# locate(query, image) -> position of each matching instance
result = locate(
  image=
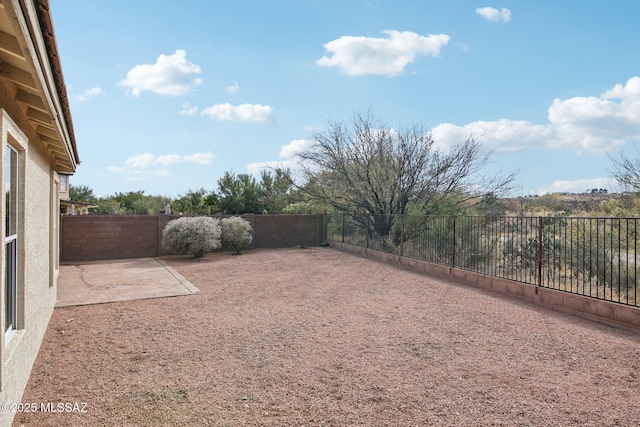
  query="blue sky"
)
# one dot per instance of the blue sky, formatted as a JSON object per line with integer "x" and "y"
{"x": 166, "y": 96}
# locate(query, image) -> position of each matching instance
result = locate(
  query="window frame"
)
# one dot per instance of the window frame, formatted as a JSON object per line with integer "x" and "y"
{"x": 11, "y": 184}
{"x": 14, "y": 138}
{"x": 64, "y": 183}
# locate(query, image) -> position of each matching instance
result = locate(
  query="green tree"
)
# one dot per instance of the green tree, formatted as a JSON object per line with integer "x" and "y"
{"x": 625, "y": 205}
{"x": 239, "y": 194}
{"x": 303, "y": 208}
{"x": 277, "y": 190}
{"x": 150, "y": 205}
{"x": 108, "y": 205}
{"x": 198, "y": 201}
{"x": 132, "y": 202}
{"x": 127, "y": 200}
{"x": 82, "y": 193}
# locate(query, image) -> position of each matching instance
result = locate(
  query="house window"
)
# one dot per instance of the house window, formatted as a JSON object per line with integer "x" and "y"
{"x": 11, "y": 239}
{"x": 64, "y": 183}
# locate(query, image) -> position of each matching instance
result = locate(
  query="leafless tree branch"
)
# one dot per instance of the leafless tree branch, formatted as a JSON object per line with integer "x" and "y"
{"x": 369, "y": 169}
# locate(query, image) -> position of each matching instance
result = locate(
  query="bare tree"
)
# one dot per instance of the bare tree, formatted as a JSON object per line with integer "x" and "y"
{"x": 373, "y": 171}
{"x": 626, "y": 170}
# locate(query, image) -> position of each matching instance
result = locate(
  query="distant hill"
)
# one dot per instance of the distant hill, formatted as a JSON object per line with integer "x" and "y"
{"x": 561, "y": 203}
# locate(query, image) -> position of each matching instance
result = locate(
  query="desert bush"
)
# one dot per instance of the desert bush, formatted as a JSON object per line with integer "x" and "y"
{"x": 236, "y": 232}
{"x": 602, "y": 251}
{"x": 192, "y": 236}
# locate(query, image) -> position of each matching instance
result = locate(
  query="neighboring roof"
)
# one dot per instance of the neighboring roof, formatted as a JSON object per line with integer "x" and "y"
{"x": 30, "y": 64}
{"x": 73, "y": 202}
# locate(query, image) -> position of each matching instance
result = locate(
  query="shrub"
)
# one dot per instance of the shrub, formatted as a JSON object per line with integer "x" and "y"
{"x": 236, "y": 232}
{"x": 192, "y": 236}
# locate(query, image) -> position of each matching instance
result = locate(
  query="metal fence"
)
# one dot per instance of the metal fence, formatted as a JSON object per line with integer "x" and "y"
{"x": 594, "y": 257}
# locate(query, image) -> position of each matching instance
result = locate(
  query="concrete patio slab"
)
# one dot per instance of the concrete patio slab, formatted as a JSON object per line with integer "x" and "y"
{"x": 100, "y": 282}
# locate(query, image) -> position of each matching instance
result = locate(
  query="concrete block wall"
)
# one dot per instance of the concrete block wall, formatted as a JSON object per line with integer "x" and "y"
{"x": 285, "y": 231}
{"x": 95, "y": 237}
{"x": 101, "y": 237}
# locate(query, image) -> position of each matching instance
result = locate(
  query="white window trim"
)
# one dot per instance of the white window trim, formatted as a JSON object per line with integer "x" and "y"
{"x": 54, "y": 230}
{"x": 14, "y": 201}
{"x": 11, "y": 135}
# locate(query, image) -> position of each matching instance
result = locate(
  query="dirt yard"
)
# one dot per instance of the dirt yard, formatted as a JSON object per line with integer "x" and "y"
{"x": 316, "y": 337}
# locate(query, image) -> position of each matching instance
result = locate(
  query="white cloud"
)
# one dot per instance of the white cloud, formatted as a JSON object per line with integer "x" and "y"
{"x": 171, "y": 75}
{"x": 144, "y": 164}
{"x": 389, "y": 56}
{"x": 233, "y": 88}
{"x": 599, "y": 124}
{"x": 290, "y": 150}
{"x": 199, "y": 158}
{"x": 188, "y": 110}
{"x": 140, "y": 161}
{"x": 501, "y": 135}
{"x": 631, "y": 90}
{"x": 287, "y": 155}
{"x": 169, "y": 159}
{"x": 596, "y": 124}
{"x": 253, "y": 113}
{"x": 494, "y": 15}
{"x": 256, "y": 168}
{"x": 143, "y": 161}
{"x": 89, "y": 93}
{"x": 579, "y": 185}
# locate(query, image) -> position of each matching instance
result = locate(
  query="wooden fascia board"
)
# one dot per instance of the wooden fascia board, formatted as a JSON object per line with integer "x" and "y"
{"x": 37, "y": 54}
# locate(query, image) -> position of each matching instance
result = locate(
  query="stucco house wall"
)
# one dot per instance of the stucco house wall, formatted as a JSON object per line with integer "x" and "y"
{"x": 37, "y": 289}
{"x": 35, "y": 123}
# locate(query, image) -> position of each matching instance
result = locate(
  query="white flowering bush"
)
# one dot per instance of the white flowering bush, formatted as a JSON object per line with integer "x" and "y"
{"x": 192, "y": 236}
{"x": 236, "y": 233}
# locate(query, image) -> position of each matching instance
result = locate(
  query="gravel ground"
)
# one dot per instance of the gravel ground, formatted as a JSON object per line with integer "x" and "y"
{"x": 316, "y": 337}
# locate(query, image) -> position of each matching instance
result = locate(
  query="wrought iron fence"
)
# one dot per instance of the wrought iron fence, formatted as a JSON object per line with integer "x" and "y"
{"x": 594, "y": 257}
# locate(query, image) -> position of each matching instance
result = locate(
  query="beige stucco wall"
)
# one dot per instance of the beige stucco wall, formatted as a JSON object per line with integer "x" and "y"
{"x": 37, "y": 287}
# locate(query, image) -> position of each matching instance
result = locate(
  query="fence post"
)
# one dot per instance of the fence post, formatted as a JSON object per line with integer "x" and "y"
{"x": 540, "y": 251}
{"x": 158, "y": 236}
{"x": 453, "y": 244}
{"x": 402, "y": 221}
{"x": 325, "y": 227}
{"x": 367, "y": 232}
